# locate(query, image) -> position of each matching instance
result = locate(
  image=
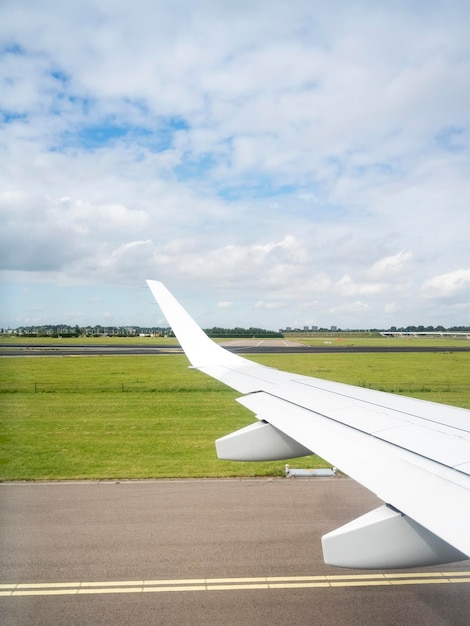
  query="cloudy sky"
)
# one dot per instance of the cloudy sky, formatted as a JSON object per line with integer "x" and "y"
{"x": 274, "y": 163}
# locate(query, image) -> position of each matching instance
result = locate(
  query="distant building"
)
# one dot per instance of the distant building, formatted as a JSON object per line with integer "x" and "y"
{"x": 334, "y": 328}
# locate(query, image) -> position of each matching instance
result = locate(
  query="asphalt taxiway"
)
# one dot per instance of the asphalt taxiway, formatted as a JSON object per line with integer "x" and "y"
{"x": 206, "y": 552}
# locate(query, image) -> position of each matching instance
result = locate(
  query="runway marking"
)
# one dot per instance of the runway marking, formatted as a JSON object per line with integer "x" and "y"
{"x": 231, "y": 584}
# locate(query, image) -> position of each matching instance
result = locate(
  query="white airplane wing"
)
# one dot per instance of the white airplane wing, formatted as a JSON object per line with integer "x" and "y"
{"x": 414, "y": 455}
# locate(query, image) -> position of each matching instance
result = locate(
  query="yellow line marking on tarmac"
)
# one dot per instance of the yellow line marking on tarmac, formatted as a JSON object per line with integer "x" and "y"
{"x": 231, "y": 584}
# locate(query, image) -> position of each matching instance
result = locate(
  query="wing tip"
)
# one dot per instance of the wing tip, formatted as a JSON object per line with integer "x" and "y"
{"x": 151, "y": 281}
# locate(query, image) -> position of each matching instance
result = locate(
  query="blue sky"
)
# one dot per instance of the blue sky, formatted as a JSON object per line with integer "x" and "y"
{"x": 275, "y": 164}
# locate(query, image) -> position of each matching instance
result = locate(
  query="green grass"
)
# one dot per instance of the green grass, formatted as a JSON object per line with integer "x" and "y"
{"x": 437, "y": 376}
{"x": 149, "y": 416}
{"x": 381, "y": 342}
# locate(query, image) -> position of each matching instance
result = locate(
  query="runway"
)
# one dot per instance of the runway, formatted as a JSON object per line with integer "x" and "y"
{"x": 216, "y": 552}
{"x": 244, "y": 346}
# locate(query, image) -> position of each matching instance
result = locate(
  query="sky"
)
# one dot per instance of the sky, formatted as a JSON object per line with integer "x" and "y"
{"x": 273, "y": 163}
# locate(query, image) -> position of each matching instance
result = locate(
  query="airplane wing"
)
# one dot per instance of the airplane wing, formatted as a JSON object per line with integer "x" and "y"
{"x": 414, "y": 455}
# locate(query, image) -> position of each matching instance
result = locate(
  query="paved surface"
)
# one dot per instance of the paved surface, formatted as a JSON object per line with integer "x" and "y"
{"x": 242, "y": 346}
{"x": 214, "y": 552}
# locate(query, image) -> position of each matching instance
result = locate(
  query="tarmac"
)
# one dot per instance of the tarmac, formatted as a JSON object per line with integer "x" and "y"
{"x": 208, "y": 552}
{"x": 239, "y": 346}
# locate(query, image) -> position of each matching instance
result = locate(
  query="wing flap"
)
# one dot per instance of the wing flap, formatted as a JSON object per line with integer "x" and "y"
{"x": 386, "y": 538}
{"x": 259, "y": 442}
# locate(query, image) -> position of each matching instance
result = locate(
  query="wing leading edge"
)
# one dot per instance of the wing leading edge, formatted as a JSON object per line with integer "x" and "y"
{"x": 414, "y": 455}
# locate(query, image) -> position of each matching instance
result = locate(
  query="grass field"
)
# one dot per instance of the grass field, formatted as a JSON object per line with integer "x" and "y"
{"x": 149, "y": 416}
{"x": 381, "y": 342}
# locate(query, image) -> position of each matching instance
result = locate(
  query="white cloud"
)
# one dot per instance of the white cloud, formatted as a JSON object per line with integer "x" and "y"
{"x": 268, "y": 305}
{"x": 351, "y": 307}
{"x": 346, "y": 286}
{"x": 456, "y": 283}
{"x": 390, "y": 267}
{"x": 298, "y": 153}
